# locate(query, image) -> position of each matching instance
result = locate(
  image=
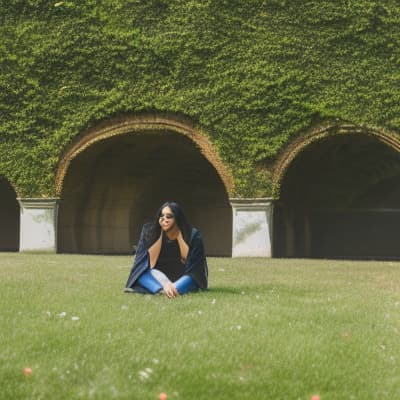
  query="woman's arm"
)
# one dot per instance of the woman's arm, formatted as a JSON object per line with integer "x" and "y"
{"x": 168, "y": 287}
{"x": 154, "y": 251}
{"x": 183, "y": 247}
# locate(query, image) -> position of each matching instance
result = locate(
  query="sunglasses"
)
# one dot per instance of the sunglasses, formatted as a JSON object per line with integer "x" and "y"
{"x": 167, "y": 216}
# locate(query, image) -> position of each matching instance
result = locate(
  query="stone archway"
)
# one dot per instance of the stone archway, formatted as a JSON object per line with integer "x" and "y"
{"x": 9, "y": 217}
{"x": 339, "y": 195}
{"x": 115, "y": 176}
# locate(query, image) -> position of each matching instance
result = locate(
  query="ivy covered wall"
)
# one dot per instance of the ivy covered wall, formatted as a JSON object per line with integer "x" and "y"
{"x": 250, "y": 74}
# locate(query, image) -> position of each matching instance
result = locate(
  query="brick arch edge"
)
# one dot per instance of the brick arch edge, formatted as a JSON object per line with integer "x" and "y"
{"x": 144, "y": 123}
{"x": 301, "y": 142}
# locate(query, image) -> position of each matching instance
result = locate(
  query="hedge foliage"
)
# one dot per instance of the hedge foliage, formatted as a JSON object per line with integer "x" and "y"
{"x": 250, "y": 73}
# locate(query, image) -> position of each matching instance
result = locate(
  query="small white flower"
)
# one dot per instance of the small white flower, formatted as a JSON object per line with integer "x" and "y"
{"x": 62, "y": 314}
{"x": 155, "y": 361}
{"x": 213, "y": 301}
{"x": 143, "y": 375}
{"x": 237, "y": 327}
{"x": 199, "y": 312}
{"x": 75, "y": 318}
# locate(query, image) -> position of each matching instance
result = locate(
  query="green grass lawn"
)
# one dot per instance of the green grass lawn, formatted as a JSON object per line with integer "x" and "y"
{"x": 266, "y": 329}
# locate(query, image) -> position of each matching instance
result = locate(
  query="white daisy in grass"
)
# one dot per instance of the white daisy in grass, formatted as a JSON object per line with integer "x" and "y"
{"x": 145, "y": 373}
{"x": 237, "y": 327}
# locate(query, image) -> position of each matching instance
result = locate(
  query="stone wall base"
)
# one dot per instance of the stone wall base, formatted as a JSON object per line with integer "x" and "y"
{"x": 38, "y": 224}
{"x": 252, "y": 227}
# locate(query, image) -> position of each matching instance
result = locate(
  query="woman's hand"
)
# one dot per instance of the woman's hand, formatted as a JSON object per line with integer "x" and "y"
{"x": 170, "y": 290}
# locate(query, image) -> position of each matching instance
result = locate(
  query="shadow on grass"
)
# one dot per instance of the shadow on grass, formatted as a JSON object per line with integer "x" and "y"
{"x": 245, "y": 289}
{"x": 226, "y": 289}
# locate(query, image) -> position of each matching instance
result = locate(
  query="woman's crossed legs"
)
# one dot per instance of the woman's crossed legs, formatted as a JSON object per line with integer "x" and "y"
{"x": 154, "y": 281}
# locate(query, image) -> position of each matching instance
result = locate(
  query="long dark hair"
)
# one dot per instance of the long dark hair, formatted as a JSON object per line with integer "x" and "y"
{"x": 180, "y": 218}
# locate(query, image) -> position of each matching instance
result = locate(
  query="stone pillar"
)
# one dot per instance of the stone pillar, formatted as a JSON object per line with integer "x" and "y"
{"x": 252, "y": 227}
{"x": 38, "y": 224}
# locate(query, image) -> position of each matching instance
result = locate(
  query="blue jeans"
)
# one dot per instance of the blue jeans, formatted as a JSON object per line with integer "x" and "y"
{"x": 151, "y": 278}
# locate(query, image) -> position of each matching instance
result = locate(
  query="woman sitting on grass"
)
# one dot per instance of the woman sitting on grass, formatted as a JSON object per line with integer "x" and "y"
{"x": 170, "y": 256}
